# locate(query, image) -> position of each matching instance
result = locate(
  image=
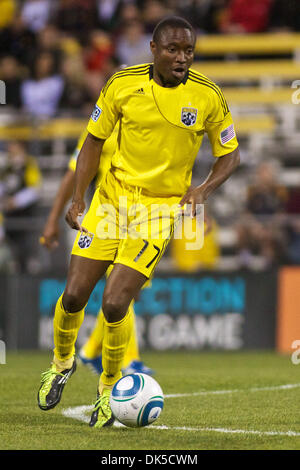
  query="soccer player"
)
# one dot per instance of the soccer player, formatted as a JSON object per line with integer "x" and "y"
{"x": 164, "y": 108}
{"x": 90, "y": 353}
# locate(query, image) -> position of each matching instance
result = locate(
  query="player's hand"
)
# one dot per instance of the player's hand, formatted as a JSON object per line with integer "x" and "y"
{"x": 193, "y": 196}
{"x": 76, "y": 210}
{"x": 50, "y": 235}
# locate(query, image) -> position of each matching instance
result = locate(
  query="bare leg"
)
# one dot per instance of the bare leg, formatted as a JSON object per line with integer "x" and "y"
{"x": 83, "y": 275}
{"x": 122, "y": 286}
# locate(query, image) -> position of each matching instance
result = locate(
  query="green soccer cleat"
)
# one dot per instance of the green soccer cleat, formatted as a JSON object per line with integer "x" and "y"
{"x": 102, "y": 415}
{"x": 52, "y": 385}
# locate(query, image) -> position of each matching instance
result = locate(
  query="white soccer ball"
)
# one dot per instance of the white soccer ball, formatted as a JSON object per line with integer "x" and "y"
{"x": 136, "y": 400}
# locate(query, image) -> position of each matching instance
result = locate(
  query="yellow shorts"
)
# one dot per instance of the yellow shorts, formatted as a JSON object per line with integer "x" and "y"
{"x": 127, "y": 225}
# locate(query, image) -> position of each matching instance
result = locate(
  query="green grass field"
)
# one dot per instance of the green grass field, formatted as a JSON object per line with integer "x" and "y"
{"x": 219, "y": 401}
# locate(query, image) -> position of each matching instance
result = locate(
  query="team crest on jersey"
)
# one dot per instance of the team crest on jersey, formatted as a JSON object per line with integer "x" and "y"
{"x": 96, "y": 113}
{"x": 85, "y": 240}
{"x": 188, "y": 116}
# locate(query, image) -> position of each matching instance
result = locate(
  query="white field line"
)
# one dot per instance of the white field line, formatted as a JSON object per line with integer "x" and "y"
{"x": 80, "y": 413}
{"x": 228, "y": 431}
{"x": 223, "y": 392}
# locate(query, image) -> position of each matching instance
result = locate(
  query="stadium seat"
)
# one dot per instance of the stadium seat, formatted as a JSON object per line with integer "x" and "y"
{"x": 237, "y": 72}
{"x": 257, "y": 96}
{"x": 256, "y": 44}
{"x": 258, "y": 123}
{"x": 53, "y": 129}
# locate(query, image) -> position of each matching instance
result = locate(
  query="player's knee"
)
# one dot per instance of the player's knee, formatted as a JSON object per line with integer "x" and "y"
{"x": 72, "y": 301}
{"x": 114, "y": 307}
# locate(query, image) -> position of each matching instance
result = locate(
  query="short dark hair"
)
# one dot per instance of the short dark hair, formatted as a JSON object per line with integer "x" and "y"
{"x": 173, "y": 22}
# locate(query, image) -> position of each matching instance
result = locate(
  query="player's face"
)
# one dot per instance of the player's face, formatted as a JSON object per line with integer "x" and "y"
{"x": 173, "y": 54}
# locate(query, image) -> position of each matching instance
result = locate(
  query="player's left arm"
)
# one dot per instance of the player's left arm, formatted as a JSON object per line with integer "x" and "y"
{"x": 220, "y": 172}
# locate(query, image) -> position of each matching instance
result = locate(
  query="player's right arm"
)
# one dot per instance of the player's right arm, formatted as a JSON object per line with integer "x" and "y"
{"x": 86, "y": 168}
{"x": 101, "y": 125}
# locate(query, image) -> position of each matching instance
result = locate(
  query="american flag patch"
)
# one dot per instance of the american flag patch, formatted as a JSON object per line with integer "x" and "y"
{"x": 227, "y": 134}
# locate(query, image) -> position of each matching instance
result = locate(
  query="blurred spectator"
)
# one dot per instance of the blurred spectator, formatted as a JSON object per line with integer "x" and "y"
{"x": 108, "y": 13}
{"x": 82, "y": 87}
{"x": 202, "y": 14}
{"x": 7, "y": 263}
{"x": 8, "y": 9}
{"x": 1, "y": 229}
{"x": 49, "y": 40}
{"x": 76, "y": 94}
{"x": 20, "y": 181}
{"x": 293, "y": 201}
{"x": 41, "y": 94}
{"x": 17, "y": 40}
{"x": 111, "y": 66}
{"x": 285, "y": 15}
{"x": 153, "y": 11}
{"x": 292, "y": 234}
{"x": 260, "y": 230}
{"x": 292, "y": 226}
{"x": 36, "y": 13}
{"x": 76, "y": 17}
{"x": 133, "y": 46}
{"x": 98, "y": 51}
{"x": 242, "y": 16}
{"x": 95, "y": 80}
{"x": 128, "y": 11}
{"x": 10, "y": 73}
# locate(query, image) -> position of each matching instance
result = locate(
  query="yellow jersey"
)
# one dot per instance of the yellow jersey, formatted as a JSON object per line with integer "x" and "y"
{"x": 108, "y": 150}
{"x": 161, "y": 129}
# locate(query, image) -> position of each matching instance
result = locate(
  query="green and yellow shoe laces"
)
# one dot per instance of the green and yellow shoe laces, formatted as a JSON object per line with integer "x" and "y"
{"x": 103, "y": 408}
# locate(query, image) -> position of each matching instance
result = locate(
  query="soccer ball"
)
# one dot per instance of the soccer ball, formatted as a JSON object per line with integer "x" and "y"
{"x": 136, "y": 400}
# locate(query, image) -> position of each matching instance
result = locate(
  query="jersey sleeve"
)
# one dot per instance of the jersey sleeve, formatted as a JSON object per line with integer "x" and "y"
{"x": 219, "y": 125}
{"x": 106, "y": 112}
{"x": 73, "y": 161}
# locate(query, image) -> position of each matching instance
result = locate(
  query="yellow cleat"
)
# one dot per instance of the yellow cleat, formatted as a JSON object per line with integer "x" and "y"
{"x": 102, "y": 415}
